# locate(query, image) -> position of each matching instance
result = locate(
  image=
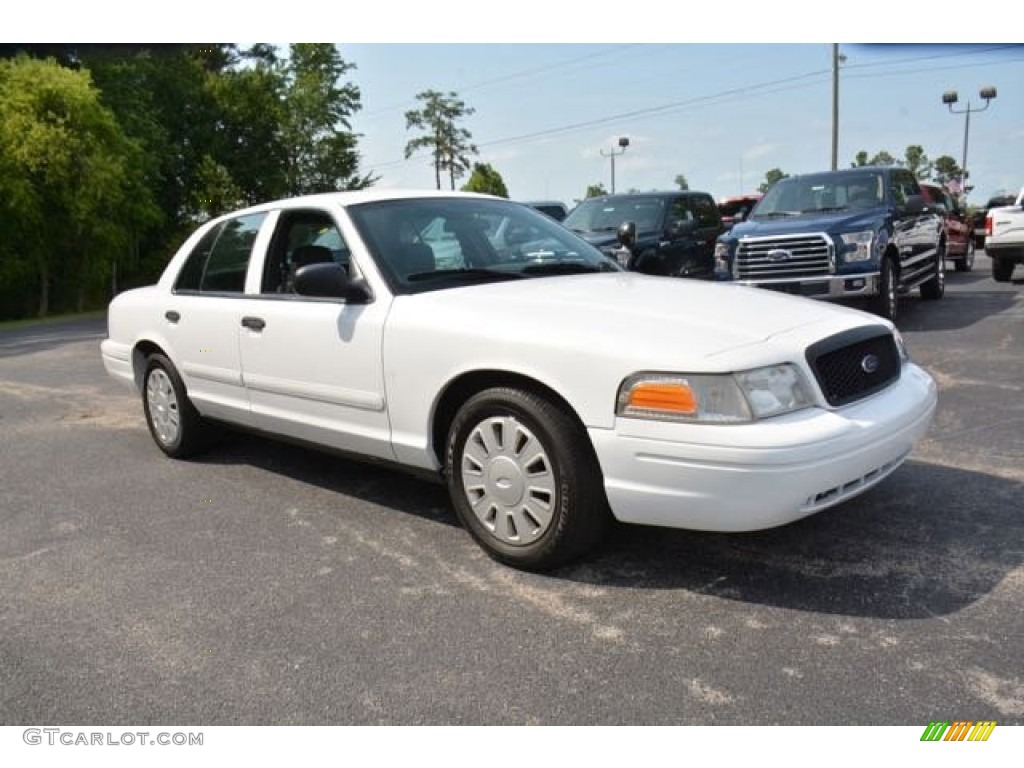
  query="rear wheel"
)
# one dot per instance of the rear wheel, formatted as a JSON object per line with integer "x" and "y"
{"x": 1002, "y": 270}
{"x": 175, "y": 424}
{"x": 524, "y": 479}
{"x": 886, "y": 302}
{"x": 936, "y": 287}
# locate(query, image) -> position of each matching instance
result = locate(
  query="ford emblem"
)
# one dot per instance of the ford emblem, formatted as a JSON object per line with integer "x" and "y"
{"x": 870, "y": 363}
{"x": 779, "y": 254}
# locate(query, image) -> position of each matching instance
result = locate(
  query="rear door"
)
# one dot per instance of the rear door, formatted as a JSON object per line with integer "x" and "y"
{"x": 203, "y": 316}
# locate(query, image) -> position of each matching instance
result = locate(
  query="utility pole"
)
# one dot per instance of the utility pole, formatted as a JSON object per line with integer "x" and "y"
{"x": 623, "y": 143}
{"x": 949, "y": 98}
{"x": 835, "y": 106}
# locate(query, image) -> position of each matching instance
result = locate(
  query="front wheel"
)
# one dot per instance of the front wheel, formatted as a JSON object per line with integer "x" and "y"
{"x": 886, "y": 302}
{"x": 936, "y": 287}
{"x": 524, "y": 479}
{"x": 176, "y": 426}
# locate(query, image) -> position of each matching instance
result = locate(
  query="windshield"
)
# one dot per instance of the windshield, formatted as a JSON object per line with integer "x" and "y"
{"x": 605, "y": 214}
{"x": 430, "y": 243}
{"x": 821, "y": 193}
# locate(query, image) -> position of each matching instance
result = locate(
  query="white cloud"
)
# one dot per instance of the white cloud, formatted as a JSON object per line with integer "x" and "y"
{"x": 760, "y": 150}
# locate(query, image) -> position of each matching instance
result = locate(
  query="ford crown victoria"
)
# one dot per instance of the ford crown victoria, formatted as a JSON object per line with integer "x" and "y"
{"x": 476, "y": 340}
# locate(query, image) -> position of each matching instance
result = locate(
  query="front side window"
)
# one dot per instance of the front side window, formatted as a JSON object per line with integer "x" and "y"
{"x": 707, "y": 212}
{"x": 301, "y": 238}
{"x": 432, "y": 243}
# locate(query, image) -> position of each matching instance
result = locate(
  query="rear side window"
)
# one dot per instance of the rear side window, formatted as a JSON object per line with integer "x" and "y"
{"x": 229, "y": 259}
{"x": 192, "y": 273}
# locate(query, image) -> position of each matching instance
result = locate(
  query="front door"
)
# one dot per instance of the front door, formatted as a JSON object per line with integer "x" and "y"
{"x": 312, "y": 366}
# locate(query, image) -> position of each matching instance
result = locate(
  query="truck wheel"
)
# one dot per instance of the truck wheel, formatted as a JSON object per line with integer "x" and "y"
{"x": 966, "y": 262}
{"x": 1002, "y": 270}
{"x": 936, "y": 287}
{"x": 886, "y": 302}
{"x": 524, "y": 479}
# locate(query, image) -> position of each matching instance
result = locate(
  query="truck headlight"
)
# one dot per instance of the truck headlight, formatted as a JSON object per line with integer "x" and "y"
{"x": 857, "y": 245}
{"x": 721, "y": 257}
{"x": 730, "y": 398}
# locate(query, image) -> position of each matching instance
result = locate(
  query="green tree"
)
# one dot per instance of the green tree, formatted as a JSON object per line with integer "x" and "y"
{"x": 917, "y": 162}
{"x": 595, "y": 190}
{"x": 449, "y": 144}
{"x": 681, "y": 182}
{"x": 859, "y": 160}
{"x": 65, "y": 179}
{"x": 487, "y": 180}
{"x": 772, "y": 176}
{"x": 319, "y": 144}
{"x": 883, "y": 158}
{"x": 946, "y": 169}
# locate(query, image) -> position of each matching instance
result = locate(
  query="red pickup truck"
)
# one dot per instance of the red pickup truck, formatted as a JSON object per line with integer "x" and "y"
{"x": 958, "y": 226}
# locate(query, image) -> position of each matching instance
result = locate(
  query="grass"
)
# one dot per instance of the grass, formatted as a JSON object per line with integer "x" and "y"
{"x": 9, "y": 325}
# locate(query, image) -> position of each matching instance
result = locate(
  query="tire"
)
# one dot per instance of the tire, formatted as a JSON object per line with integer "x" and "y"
{"x": 524, "y": 479}
{"x": 886, "y": 303}
{"x": 175, "y": 425}
{"x": 966, "y": 262}
{"x": 935, "y": 288}
{"x": 1002, "y": 270}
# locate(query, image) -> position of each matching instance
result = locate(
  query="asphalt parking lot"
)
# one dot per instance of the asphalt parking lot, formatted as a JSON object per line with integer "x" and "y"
{"x": 266, "y": 584}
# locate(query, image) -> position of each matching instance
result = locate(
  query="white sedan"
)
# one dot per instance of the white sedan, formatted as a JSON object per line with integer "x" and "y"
{"x": 550, "y": 390}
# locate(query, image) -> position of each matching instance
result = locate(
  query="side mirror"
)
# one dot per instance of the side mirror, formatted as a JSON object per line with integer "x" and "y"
{"x": 330, "y": 280}
{"x": 916, "y": 204}
{"x": 684, "y": 227}
{"x": 627, "y": 234}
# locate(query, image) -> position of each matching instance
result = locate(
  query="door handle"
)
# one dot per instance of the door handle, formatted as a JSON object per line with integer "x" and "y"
{"x": 172, "y": 316}
{"x": 254, "y": 323}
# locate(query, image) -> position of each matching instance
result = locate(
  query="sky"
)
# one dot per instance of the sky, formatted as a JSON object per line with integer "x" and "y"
{"x": 547, "y": 116}
{"x": 720, "y": 94}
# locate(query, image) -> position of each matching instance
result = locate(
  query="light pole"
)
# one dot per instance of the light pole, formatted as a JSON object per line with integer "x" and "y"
{"x": 949, "y": 98}
{"x": 623, "y": 143}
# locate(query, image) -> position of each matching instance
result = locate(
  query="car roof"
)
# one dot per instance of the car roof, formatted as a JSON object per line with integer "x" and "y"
{"x": 543, "y": 202}
{"x": 656, "y": 193}
{"x": 356, "y": 197}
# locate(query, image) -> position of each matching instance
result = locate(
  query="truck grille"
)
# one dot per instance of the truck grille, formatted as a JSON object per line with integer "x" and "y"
{"x": 784, "y": 258}
{"x": 854, "y": 364}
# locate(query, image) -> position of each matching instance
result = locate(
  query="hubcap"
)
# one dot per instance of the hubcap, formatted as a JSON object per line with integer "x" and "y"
{"x": 162, "y": 404}
{"x": 508, "y": 480}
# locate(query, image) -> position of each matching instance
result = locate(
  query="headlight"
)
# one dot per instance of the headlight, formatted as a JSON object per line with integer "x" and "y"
{"x": 731, "y": 398}
{"x": 857, "y": 245}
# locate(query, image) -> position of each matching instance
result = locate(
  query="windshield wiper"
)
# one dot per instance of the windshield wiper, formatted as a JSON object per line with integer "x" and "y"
{"x": 566, "y": 268}
{"x": 775, "y": 214}
{"x": 475, "y": 273}
{"x": 825, "y": 209}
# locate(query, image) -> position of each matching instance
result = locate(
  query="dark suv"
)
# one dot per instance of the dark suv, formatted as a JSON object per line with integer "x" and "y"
{"x": 672, "y": 233}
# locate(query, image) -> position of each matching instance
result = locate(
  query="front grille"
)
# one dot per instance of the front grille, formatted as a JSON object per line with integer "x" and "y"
{"x": 780, "y": 258}
{"x": 854, "y": 364}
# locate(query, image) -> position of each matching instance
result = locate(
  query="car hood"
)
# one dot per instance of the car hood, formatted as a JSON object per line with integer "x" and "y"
{"x": 639, "y": 319}
{"x": 838, "y": 221}
{"x": 605, "y": 239}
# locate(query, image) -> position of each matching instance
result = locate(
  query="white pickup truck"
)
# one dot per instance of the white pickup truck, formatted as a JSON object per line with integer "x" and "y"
{"x": 1004, "y": 238}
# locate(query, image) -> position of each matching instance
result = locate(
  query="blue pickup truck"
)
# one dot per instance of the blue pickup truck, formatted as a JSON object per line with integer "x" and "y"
{"x": 859, "y": 232}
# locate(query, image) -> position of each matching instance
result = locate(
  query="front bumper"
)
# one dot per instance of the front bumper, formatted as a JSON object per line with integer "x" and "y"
{"x": 755, "y": 476}
{"x": 831, "y": 287}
